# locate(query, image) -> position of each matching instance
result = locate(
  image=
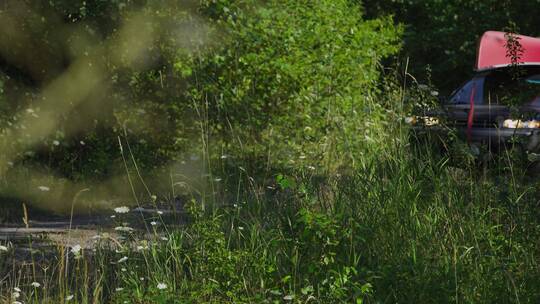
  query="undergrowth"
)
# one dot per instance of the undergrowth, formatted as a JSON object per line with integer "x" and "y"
{"x": 404, "y": 228}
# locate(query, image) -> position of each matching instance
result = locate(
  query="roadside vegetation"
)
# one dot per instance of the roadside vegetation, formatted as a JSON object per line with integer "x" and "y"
{"x": 276, "y": 135}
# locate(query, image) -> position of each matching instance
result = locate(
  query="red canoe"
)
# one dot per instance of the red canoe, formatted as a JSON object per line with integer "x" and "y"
{"x": 492, "y": 51}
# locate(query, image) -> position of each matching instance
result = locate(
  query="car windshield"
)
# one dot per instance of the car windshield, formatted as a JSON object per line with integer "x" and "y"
{"x": 519, "y": 88}
{"x": 501, "y": 87}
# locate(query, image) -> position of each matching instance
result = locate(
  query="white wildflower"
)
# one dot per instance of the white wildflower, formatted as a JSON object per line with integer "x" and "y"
{"x": 123, "y": 229}
{"x": 122, "y": 209}
{"x": 15, "y": 295}
{"x": 82, "y": 143}
{"x": 119, "y": 289}
{"x": 76, "y": 250}
{"x": 113, "y": 216}
{"x": 3, "y": 248}
{"x": 164, "y": 238}
{"x": 153, "y": 198}
{"x": 123, "y": 270}
{"x": 35, "y": 284}
{"x": 240, "y": 228}
{"x": 288, "y": 298}
{"x": 44, "y": 188}
{"x": 161, "y": 286}
{"x": 123, "y": 259}
{"x": 69, "y": 298}
{"x": 159, "y": 212}
{"x": 56, "y": 142}
{"x": 140, "y": 248}
{"x": 17, "y": 289}
{"x": 153, "y": 223}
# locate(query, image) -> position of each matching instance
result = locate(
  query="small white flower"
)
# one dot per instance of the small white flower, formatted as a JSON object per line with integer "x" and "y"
{"x": 140, "y": 248}
{"x": 434, "y": 93}
{"x": 153, "y": 197}
{"x": 153, "y": 223}
{"x": 3, "y": 248}
{"x": 161, "y": 286}
{"x": 119, "y": 289}
{"x": 159, "y": 212}
{"x": 35, "y": 284}
{"x": 164, "y": 238}
{"x": 69, "y": 298}
{"x": 240, "y": 228}
{"x": 17, "y": 289}
{"x": 122, "y": 209}
{"x": 113, "y": 216}
{"x": 76, "y": 250}
{"x": 311, "y": 168}
{"x": 82, "y": 143}
{"x": 141, "y": 278}
{"x": 15, "y": 295}
{"x": 124, "y": 229}
{"x": 44, "y": 188}
{"x": 56, "y": 142}
{"x": 30, "y": 110}
{"x": 288, "y": 298}
{"x": 123, "y": 270}
{"x": 217, "y": 179}
{"x": 123, "y": 259}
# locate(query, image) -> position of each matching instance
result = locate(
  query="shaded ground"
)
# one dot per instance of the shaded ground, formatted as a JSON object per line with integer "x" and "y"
{"x": 47, "y": 233}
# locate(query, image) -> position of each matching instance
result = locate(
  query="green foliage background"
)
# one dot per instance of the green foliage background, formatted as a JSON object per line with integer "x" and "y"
{"x": 281, "y": 121}
{"x": 443, "y": 34}
{"x": 267, "y": 82}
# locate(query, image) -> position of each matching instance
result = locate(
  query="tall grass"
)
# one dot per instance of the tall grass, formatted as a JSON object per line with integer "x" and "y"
{"x": 405, "y": 228}
{"x": 406, "y": 225}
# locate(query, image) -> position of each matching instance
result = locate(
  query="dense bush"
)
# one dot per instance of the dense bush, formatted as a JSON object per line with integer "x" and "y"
{"x": 284, "y": 83}
{"x": 295, "y": 78}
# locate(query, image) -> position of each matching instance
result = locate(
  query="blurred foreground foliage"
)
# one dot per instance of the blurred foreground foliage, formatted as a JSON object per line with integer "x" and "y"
{"x": 266, "y": 82}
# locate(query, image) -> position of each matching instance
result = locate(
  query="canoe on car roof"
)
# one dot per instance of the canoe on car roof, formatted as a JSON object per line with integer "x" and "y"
{"x": 492, "y": 51}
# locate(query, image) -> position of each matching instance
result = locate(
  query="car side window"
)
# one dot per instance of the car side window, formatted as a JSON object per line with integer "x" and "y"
{"x": 463, "y": 95}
